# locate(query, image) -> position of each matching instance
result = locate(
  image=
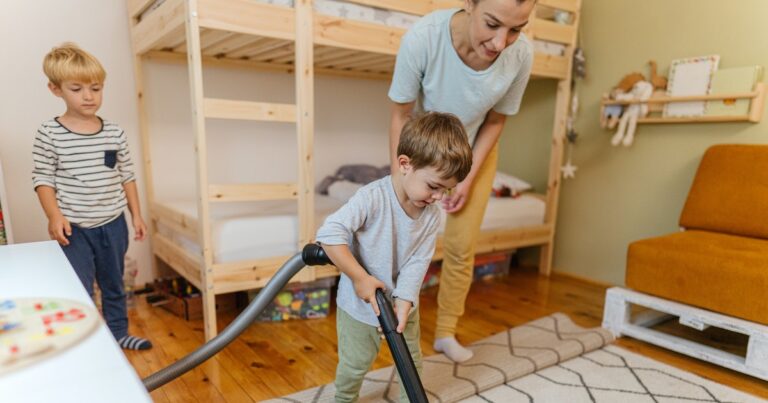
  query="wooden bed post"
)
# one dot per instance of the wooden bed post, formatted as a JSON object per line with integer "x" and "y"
{"x": 195, "y": 66}
{"x": 562, "y": 104}
{"x": 149, "y": 184}
{"x": 305, "y": 124}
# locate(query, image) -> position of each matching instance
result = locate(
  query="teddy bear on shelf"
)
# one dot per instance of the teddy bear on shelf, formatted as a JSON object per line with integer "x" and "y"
{"x": 641, "y": 90}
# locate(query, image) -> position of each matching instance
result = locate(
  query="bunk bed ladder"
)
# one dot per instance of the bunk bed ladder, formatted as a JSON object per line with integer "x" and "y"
{"x": 562, "y": 105}
{"x": 301, "y": 114}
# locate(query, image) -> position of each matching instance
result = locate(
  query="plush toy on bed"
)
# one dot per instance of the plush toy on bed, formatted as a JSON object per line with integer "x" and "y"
{"x": 506, "y": 185}
{"x": 349, "y": 178}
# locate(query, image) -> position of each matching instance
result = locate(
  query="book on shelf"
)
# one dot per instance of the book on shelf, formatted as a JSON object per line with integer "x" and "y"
{"x": 734, "y": 80}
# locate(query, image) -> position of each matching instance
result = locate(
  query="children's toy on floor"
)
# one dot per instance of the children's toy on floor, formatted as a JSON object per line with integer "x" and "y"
{"x": 33, "y": 329}
{"x": 299, "y": 301}
{"x": 180, "y": 297}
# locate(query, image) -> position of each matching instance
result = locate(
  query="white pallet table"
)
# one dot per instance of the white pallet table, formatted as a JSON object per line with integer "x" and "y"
{"x": 617, "y": 319}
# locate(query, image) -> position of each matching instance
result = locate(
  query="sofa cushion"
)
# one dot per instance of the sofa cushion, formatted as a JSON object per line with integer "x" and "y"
{"x": 719, "y": 272}
{"x": 730, "y": 192}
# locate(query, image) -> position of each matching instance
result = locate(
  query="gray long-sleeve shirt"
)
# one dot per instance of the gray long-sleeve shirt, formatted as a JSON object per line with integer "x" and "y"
{"x": 393, "y": 247}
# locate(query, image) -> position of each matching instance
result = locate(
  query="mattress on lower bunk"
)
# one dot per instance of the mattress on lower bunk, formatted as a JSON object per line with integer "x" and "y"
{"x": 244, "y": 231}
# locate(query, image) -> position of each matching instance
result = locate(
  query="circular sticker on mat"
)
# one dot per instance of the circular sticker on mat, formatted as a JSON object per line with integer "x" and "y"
{"x": 33, "y": 329}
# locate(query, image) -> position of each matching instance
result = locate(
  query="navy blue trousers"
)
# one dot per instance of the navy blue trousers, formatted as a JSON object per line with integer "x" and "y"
{"x": 99, "y": 253}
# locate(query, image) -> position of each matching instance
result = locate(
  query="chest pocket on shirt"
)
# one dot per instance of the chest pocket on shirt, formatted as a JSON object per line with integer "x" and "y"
{"x": 110, "y": 158}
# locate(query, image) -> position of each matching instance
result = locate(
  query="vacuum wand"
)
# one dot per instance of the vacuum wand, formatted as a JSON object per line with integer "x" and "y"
{"x": 409, "y": 376}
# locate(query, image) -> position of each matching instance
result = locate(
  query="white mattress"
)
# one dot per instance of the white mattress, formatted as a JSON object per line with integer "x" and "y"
{"x": 242, "y": 231}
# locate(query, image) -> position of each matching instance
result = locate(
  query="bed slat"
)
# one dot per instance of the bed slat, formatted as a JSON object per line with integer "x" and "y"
{"x": 223, "y": 48}
{"x": 550, "y": 66}
{"x": 247, "y": 110}
{"x": 505, "y": 240}
{"x": 165, "y": 22}
{"x": 348, "y": 34}
{"x": 567, "y": 5}
{"x": 136, "y": 7}
{"x": 178, "y": 258}
{"x": 405, "y": 6}
{"x": 552, "y": 31}
{"x": 253, "y": 192}
{"x": 440, "y": 4}
{"x": 178, "y": 221}
{"x": 247, "y": 17}
{"x": 244, "y": 275}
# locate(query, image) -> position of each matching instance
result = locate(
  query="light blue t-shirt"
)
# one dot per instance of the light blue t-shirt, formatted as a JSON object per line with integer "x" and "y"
{"x": 392, "y": 246}
{"x": 429, "y": 71}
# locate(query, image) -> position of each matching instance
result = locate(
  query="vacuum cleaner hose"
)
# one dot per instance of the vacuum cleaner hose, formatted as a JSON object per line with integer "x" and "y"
{"x": 207, "y": 350}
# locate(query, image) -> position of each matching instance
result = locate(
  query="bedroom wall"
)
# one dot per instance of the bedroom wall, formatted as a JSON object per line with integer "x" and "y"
{"x": 352, "y": 114}
{"x": 624, "y": 194}
{"x": 28, "y": 30}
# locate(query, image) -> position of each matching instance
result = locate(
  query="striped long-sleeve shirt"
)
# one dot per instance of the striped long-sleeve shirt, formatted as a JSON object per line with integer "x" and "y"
{"x": 86, "y": 170}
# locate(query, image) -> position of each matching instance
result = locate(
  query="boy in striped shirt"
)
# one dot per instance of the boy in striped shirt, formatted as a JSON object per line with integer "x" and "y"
{"x": 83, "y": 176}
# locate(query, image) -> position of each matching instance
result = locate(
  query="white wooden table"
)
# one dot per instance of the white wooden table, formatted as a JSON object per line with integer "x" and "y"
{"x": 94, "y": 370}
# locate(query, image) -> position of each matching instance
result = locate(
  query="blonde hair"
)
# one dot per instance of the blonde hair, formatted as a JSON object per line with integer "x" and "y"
{"x": 438, "y": 140}
{"x": 68, "y": 62}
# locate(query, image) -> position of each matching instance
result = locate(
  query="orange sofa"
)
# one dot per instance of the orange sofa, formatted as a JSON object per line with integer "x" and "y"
{"x": 719, "y": 262}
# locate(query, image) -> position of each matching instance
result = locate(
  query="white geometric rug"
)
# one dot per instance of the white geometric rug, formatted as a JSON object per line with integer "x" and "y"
{"x": 611, "y": 374}
{"x": 548, "y": 360}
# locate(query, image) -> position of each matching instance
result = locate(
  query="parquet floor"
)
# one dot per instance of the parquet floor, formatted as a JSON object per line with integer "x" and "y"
{"x": 274, "y": 359}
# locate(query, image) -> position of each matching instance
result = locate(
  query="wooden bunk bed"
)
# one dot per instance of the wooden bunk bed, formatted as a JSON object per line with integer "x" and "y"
{"x": 301, "y": 40}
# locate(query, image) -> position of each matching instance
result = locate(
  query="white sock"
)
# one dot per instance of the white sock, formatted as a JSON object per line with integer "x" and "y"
{"x": 452, "y": 349}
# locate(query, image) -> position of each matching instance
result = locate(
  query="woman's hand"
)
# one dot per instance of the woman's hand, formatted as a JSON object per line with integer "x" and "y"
{"x": 139, "y": 228}
{"x": 456, "y": 200}
{"x": 365, "y": 288}
{"x": 402, "y": 309}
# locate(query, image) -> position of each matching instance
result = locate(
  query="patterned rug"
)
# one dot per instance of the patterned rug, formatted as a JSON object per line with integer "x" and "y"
{"x": 498, "y": 359}
{"x": 611, "y": 374}
{"x": 549, "y": 360}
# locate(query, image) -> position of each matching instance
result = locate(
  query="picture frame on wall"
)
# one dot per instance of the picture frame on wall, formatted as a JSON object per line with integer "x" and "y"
{"x": 6, "y": 235}
{"x": 688, "y": 77}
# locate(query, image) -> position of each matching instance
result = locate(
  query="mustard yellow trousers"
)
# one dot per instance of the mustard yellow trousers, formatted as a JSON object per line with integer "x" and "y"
{"x": 461, "y": 233}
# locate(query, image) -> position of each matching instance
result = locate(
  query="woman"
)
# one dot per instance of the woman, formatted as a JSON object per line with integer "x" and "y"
{"x": 475, "y": 63}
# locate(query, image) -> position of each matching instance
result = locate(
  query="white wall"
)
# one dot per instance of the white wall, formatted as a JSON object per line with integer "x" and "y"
{"x": 28, "y": 30}
{"x": 351, "y": 121}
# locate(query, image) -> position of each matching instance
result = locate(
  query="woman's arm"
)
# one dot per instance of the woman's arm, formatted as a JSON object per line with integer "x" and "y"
{"x": 487, "y": 137}
{"x": 399, "y": 116}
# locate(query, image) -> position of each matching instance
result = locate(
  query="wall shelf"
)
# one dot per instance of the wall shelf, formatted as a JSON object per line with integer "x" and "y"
{"x": 755, "y": 114}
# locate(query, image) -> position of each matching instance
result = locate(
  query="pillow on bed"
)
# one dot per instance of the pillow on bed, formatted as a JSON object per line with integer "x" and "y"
{"x": 343, "y": 190}
{"x": 514, "y": 184}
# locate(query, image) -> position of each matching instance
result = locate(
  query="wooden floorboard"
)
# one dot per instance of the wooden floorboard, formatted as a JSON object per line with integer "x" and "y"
{"x": 274, "y": 359}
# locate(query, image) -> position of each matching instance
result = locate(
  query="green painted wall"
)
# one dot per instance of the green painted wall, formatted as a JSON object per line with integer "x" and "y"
{"x": 624, "y": 194}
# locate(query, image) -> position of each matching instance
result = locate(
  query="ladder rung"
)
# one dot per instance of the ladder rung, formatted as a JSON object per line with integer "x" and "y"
{"x": 258, "y": 192}
{"x": 247, "y": 110}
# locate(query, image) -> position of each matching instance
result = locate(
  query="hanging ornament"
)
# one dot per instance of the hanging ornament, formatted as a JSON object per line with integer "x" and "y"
{"x": 569, "y": 170}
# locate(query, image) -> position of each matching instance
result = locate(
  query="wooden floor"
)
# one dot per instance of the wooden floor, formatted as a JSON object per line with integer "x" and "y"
{"x": 274, "y": 359}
